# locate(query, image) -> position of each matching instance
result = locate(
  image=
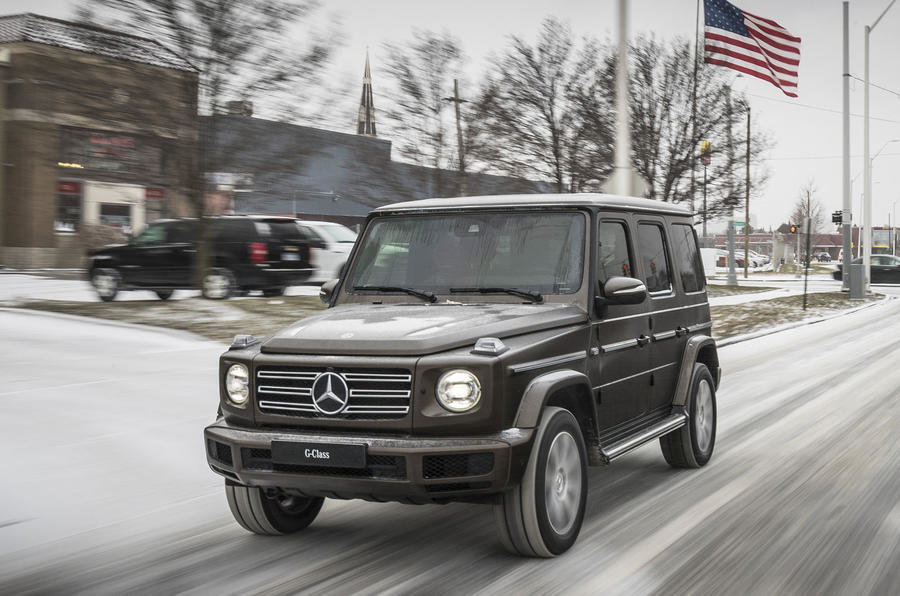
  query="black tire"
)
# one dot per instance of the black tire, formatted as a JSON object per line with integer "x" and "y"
{"x": 106, "y": 282}
{"x": 691, "y": 446}
{"x": 164, "y": 294}
{"x": 270, "y": 292}
{"x": 529, "y": 525}
{"x": 257, "y": 513}
{"x": 218, "y": 283}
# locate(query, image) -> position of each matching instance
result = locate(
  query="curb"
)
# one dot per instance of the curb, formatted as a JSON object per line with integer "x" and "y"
{"x": 772, "y": 330}
{"x": 180, "y": 333}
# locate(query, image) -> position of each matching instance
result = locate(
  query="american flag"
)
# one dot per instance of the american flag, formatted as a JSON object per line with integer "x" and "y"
{"x": 750, "y": 44}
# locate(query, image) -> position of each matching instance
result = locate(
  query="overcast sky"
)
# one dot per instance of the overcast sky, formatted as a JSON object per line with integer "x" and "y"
{"x": 807, "y": 140}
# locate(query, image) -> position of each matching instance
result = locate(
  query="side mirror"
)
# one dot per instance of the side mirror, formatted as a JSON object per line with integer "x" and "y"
{"x": 624, "y": 290}
{"x": 326, "y": 292}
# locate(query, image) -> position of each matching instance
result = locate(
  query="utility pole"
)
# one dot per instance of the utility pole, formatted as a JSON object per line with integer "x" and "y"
{"x": 459, "y": 137}
{"x": 705, "y": 157}
{"x": 747, "y": 201}
{"x": 846, "y": 217}
{"x": 806, "y": 274}
{"x": 704, "y": 202}
{"x": 732, "y": 274}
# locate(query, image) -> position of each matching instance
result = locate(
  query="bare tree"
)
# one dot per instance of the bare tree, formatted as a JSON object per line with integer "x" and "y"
{"x": 664, "y": 138}
{"x": 245, "y": 49}
{"x": 541, "y": 113}
{"x": 809, "y": 206}
{"x": 422, "y": 71}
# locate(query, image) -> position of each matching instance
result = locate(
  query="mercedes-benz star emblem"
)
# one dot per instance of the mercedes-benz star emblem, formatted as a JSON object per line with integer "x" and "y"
{"x": 330, "y": 393}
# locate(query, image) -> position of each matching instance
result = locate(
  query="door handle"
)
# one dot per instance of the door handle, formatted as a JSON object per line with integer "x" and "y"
{"x": 643, "y": 340}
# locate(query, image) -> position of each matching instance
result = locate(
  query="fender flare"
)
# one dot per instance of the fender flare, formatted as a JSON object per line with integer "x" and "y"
{"x": 688, "y": 358}
{"x": 541, "y": 388}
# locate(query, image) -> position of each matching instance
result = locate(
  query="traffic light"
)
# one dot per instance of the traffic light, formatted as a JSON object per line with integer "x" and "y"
{"x": 793, "y": 229}
{"x": 705, "y": 151}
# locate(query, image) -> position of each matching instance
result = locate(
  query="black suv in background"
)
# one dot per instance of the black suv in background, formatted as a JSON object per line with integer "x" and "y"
{"x": 247, "y": 253}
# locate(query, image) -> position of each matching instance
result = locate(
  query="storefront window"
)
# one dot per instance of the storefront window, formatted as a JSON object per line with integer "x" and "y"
{"x": 116, "y": 216}
{"x": 68, "y": 207}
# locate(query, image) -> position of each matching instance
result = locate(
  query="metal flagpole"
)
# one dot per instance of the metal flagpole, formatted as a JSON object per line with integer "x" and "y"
{"x": 694, "y": 107}
{"x": 623, "y": 179}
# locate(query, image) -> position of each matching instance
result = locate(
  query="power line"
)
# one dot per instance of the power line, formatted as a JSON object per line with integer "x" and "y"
{"x": 819, "y": 108}
{"x": 876, "y": 86}
{"x": 799, "y": 157}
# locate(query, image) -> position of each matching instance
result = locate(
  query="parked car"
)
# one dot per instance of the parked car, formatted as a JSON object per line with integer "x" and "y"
{"x": 477, "y": 349}
{"x": 759, "y": 259}
{"x": 336, "y": 242}
{"x": 247, "y": 253}
{"x": 823, "y": 257}
{"x": 884, "y": 269}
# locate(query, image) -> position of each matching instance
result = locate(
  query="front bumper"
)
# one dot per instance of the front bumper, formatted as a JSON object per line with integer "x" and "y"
{"x": 398, "y": 468}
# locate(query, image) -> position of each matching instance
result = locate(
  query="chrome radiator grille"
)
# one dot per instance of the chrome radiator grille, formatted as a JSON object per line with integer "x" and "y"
{"x": 366, "y": 393}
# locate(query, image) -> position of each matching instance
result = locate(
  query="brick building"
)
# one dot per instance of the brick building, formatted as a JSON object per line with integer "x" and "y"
{"x": 96, "y": 127}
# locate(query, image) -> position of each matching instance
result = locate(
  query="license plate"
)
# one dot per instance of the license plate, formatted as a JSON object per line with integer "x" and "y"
{"x": 290, "y": 256}
{"x": 319, "y": 454}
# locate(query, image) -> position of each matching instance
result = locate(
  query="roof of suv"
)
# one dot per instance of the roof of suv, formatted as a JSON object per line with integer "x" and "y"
{"x": 537, "y": 200}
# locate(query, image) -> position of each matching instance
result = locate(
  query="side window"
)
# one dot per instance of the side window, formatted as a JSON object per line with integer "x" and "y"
{"x": 652, "y": 249}
{"x": 613, "y": 255}
{"x": 181, "y": 232}
{"x": 684, "y": 250}
{"x": 152, "y": 234}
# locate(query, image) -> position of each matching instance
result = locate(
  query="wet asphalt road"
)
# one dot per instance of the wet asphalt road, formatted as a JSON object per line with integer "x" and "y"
{"x": 105, "y": 487}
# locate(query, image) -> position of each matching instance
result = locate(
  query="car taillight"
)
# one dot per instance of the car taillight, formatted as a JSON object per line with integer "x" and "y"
{"x": 259, "y": 252}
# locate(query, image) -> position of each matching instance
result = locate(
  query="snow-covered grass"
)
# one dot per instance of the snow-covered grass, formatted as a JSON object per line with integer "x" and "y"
{"x": 719, "y": 290}
{"x": 218, "y": 320}
{"x": 737, "y": 319}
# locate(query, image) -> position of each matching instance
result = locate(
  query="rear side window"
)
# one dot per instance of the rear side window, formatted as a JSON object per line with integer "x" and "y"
{"x": 652, "y": 249}
{"x": 613, "y": 254}
{"x": 311, "y": 233}
{"x": 285, "y": 230}
{"x": 232, "y": 230}
{"x": 687, "y": 257}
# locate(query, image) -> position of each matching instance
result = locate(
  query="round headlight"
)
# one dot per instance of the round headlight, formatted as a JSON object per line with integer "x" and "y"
{"x": 458, "y": 390}
{"x": 237, "y": 384}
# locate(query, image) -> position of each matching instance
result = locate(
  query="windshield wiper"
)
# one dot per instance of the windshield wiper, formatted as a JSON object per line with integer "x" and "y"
{"x": 417, "y": 293}
{"x": 533, "y": 296}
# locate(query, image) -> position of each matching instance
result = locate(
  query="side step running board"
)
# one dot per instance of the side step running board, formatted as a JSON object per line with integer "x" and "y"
{"x": 666, "y": 425}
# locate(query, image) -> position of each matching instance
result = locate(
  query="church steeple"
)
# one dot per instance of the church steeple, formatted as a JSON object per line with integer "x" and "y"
{"x": 366, "y": 120}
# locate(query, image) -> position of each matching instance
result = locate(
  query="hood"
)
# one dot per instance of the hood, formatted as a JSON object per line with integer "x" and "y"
{"x": 404, "y": 329}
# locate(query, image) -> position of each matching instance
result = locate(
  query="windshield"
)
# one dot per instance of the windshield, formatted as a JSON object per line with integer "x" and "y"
{"x": 539, "y": 252}
{"x": 338, "y": 233}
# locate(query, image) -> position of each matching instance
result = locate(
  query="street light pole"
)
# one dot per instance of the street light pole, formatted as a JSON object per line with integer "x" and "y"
{"x": 846, "y": 216}
{"x": 867, "y": 164}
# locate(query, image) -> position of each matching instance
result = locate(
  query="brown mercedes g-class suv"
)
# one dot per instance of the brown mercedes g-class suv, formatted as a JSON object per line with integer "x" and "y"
{"x": 477, "y": 349}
